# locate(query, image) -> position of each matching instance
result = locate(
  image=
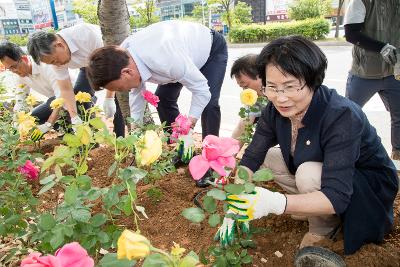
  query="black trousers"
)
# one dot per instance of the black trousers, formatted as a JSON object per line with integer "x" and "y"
{"x": 214, "y": 71}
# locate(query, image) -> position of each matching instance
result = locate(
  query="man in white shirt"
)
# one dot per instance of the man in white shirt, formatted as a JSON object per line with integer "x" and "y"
{"x": 40, "y": 78}
{"x": 70, "y": 48}
{"x": 171, "y": 54}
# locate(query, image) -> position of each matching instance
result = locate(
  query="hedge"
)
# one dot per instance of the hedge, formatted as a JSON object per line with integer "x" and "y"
{"x": 20, "y": 40}
{"x": 313, "y": 29}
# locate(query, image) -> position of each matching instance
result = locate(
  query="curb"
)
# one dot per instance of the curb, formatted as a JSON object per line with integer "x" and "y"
{"x": 319, "y": 43}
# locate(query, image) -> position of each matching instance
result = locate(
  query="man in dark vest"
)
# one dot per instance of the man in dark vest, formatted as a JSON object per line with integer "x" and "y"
{"x": 373, "y": 27}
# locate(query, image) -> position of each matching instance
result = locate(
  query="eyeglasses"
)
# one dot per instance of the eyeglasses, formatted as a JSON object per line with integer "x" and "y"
{"x": 288, "y": 91}
{"x": 14, "y": 66}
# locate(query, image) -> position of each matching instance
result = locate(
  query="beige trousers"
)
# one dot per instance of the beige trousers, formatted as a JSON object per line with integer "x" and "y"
{"x": 306, "y": 180}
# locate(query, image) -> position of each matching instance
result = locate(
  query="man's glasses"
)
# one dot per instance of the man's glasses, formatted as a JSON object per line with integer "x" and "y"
{"x": 14, "y": 67}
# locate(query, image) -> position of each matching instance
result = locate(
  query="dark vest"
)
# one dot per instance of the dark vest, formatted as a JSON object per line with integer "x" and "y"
{"x": 382, "y": 23}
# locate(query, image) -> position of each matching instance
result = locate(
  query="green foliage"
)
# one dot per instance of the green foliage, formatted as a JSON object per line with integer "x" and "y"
{"x": 245, "y": 113}
{"x": 17, "y": 203}
{"x": 147, "y": 14}
{"x": 313, "y": 29}
{"x": 155, "y": 194}
{"x": 242, "y": 14}
{"x": 305, "y": 9}
{"x": 87, "y": 10}
{"x": 17, "y": 39}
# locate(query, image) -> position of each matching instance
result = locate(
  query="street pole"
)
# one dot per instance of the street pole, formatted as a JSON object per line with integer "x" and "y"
{"x": 54, "y": 14}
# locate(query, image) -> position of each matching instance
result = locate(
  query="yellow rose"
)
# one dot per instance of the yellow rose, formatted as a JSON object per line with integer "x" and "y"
{"x": 25, "y": 123}
{"x": 148, "y": 148}
{"x": 21, "y": 85}
{"x": 82, "y": 97}
{"x": 248, "y": 97}
{"x": 57, "y": 103}
{"x": 177, "y": 251}
{"x": 31, "y": 100}
{"x": 131, "y": 245}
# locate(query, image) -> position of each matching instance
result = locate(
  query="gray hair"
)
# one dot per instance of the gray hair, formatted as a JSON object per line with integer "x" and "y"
{"x": 40, "y": 43}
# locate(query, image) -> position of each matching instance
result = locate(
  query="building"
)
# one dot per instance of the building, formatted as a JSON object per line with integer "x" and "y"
{"x": 65, "y": 14}
{"x": 173, "y": 9}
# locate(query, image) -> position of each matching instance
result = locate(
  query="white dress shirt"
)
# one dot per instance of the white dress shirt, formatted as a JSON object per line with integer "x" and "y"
{"x": 42, "y": 80}
{"x": 82, "y": 40}
{"x": 168, "y": 52}
{"x": 355, "y": 12}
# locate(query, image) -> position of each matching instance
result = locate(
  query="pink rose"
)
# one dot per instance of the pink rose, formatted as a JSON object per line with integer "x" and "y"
{"x": 29, "y": 170}
{"x": 70, "y": 255}
{"x": 217, "y": 153}
{"x": 181, "y": 126}
{"x": 151, "y": 98}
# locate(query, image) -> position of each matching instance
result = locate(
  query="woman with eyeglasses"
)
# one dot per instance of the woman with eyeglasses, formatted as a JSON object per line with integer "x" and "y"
{"x": 329, "y": 161}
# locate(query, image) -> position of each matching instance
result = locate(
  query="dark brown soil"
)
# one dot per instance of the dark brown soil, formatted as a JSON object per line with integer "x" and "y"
{"x": 165, "y": 223}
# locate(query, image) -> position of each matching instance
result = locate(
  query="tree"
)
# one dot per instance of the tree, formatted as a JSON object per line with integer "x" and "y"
{"x": 341, "y": 2}
{"x": 146, "y": 10}
{"x": 197, "y": 13}
{"x": 86, "y": 10}
{"x": 227, "y": 7}
{"x": 242, "y": 13}
{"x": 114, "y": 22}
{"x": 304, "y": 9}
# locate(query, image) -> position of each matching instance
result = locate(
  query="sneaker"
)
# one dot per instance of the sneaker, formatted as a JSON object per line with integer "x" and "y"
{"x": 310, "y": 239}
{"x": 396, "y": 154}
{"x": 205, "y": 180}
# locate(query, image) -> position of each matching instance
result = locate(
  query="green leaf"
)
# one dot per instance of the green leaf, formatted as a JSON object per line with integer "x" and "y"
{"x": 84, "y": 182}
{"x": 47, "y": 187}
{"x": 98, "y": 220}
{"x": 97, "y": 123}
{"x": 71, "y": 194}
{"x": 195, "y": 215}
{"x": 243, "y": 253}
{"x": 188, "y": 261}
{"x": 89, "y": 242}
{"x": 243, "y": 174}
{"x": 57, "y": 239}
{"x": 249, "y": 187}
{"x": 231, "y": 257}
{"x": 111, "y": 260}
{"x": 47, "y": 221}
{"x": 234, "y": 189}
{"x": 71, "y": 140}
{"x": 83, "y": 168}
{"x": 112, "y": 168}
{"x": 94, "y": 194}
{"x": 263, "y": 175}
{"x": 221, "y": 262}
{"x": 214, "y": 220}
{"x": 210, "y": 204}
{"x": 247, "y": 259}
{"x": 102, "y": 237}
{"x": 217, "y": 194}
{"x": 155, "y": 260}
{"x": 58, "y": 171}
{"x": 203, "y": 258}
{"x": 81, "y": 215}
{"x": 47, "y": 179}
{"x": 125, "y": 205}
{"x": 248, "y": 244}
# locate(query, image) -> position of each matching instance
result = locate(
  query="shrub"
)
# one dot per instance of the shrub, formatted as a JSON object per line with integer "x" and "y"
{"x": 313, "y": 29}
{"x": 304, "y": 9}
{"x": 17, "y": 39}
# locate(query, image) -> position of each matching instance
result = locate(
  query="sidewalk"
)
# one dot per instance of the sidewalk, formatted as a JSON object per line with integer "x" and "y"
{"x": 319, "y": 43}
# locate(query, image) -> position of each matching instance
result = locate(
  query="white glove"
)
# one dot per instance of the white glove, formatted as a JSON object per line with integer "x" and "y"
{"x": 76, "y": 121}
{"x": 45, "y": 127}
{"x": 388, "y": 53}
{"x": 257, "y": 204}
{"x": 186, "y": 147}
{"x": 109, "y": 107}
{"x": 227, "y": 232}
